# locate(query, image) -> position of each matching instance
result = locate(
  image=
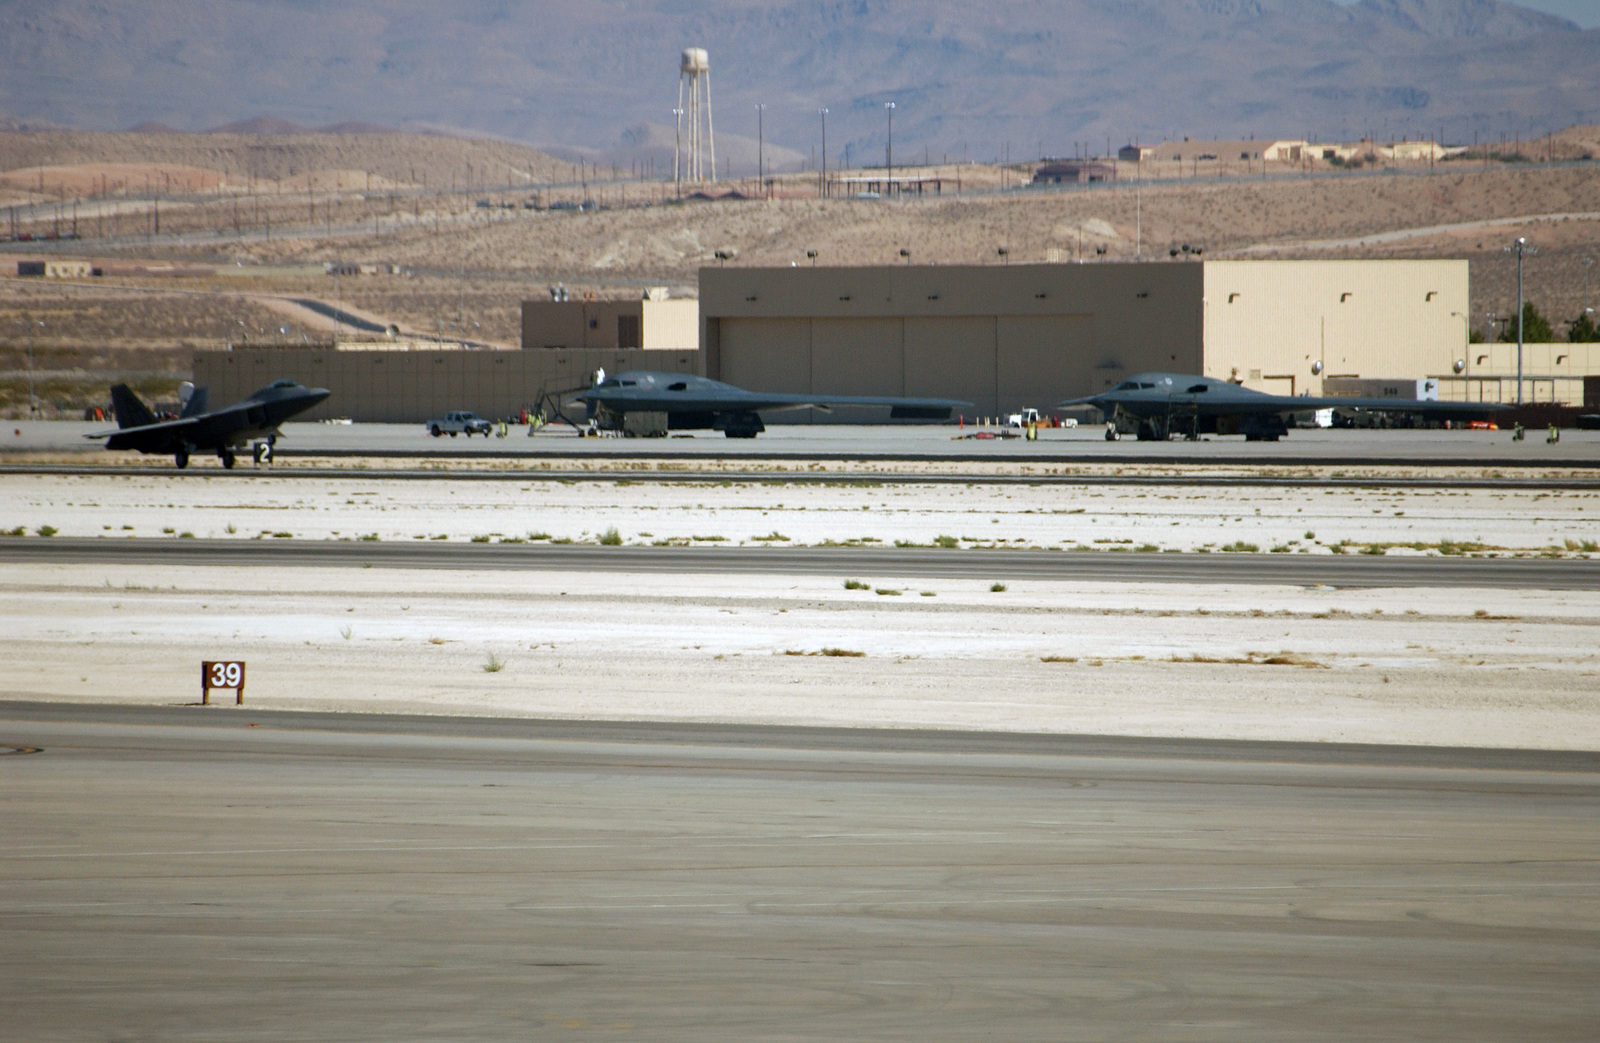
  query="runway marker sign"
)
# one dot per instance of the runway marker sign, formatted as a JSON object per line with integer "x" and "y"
{"x": 221, "y": 675}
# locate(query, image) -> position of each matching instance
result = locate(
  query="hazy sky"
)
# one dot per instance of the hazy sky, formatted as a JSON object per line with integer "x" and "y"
{"x": 1585, "y": 12}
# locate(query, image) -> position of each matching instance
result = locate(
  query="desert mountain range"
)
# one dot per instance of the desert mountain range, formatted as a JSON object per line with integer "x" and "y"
{"x": 1017, "y": 77}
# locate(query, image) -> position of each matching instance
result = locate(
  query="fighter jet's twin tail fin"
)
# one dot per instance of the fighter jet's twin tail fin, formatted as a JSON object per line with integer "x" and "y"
{"x": 130, "y": 411}
{"x": 199, "y": 402}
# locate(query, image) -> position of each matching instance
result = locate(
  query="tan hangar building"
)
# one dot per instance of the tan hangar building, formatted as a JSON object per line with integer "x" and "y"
{"x": 1006, "y": 337}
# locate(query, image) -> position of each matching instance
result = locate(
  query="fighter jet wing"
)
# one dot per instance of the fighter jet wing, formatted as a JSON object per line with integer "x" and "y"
{"x": 901, "y": 408}
{"x": 205, "y": 430}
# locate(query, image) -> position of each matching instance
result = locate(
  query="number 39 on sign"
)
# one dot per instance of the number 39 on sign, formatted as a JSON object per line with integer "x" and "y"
{"x": 221, "y": 675}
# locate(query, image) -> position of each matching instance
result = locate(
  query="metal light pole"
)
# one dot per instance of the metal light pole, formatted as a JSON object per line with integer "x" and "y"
{"x": 888, "y": 155}
{"x": 822, "y": 189}
{"x": 33, "y": 401}
{"x": 761, "y": 140}
{"x": 1521, "y": 247}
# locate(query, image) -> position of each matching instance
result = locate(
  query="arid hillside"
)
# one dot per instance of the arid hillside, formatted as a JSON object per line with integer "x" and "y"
{"x": 1008, "y": 78}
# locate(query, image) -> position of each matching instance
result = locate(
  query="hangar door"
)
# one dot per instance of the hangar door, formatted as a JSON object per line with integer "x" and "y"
{"x": 1043, "y": 359}
{"x": 952, "y": 357}
{"x": 857, "y": 357}
{"x": 767, "y": 354}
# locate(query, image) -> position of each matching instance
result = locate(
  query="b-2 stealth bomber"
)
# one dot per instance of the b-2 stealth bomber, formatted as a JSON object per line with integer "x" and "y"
{"x": 1155, "y": 406}
{"x": 659, "y": 402}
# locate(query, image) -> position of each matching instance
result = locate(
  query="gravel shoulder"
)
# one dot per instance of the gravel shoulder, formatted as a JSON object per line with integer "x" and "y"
{"x": 1456, "y": 667}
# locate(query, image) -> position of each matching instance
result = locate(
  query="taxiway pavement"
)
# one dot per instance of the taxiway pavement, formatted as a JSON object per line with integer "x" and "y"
{"x": 928, "y": 443}
{"x": 1351, "y": 570}
{"x": 233, "y": 874}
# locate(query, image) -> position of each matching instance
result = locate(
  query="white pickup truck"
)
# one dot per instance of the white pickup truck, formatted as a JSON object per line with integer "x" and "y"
{"x": 1031, "y": 416}
{"x": 460, "y": 422}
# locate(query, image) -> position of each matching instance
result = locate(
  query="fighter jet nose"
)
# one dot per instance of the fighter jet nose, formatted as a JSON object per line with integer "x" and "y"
{"x": 318, "y": 394}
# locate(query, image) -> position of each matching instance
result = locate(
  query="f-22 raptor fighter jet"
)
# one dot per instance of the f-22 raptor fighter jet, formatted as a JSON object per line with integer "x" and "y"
{"x": 1156, "y": 406}
{"x": 678, "y": 400}
{"x": 224, "y": 431}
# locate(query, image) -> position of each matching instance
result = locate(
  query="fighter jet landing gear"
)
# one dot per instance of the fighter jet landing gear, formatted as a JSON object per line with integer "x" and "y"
{"x": 226, "y": 455}
{"x": 181, "y": 458}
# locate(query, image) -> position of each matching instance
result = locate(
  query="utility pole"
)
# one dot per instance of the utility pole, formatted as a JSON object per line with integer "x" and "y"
{"x": 888, "y": 155}
{"x": 822, "y": 186}
{"x": 1521, "y": 247}
{"x": 761, "y": 139}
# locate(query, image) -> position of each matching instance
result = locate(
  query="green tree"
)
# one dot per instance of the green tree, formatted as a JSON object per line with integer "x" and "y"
{"x": 1583, "y": 330}
{"x": 1537, "y": 326}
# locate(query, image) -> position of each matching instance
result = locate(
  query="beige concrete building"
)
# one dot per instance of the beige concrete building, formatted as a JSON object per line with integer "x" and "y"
{"x": 649, "y": 323}
{"x": 380, "y": 386}
{"x": 1009, "y": 336}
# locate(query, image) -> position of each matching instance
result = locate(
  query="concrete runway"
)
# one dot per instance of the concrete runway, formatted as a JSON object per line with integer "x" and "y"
{"x": 1351, "y": 570}
{"x": 233, "y": 874}
{"x": 930, "y": 443}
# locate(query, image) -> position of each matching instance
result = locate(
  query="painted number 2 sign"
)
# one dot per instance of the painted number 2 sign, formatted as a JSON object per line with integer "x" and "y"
{"x": 221, "y": 675}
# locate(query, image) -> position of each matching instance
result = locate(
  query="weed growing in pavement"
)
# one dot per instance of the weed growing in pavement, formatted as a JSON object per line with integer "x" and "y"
{"x": 1146, "y": 548}
{"x": 537, "y": 536}
{"x": 1282, "y": 548}
{"x": 283, "y": 535}
{"x": 480, "y": 539}
{"x": 1240, "y": 547}
{"x": 772, "y": 537}
{"x": 947, "y": 542}
{"x": 997, "y": 588}
{"x": 562, "y": 540}
{"x": 494, "y": 664}
{"x": 855, "y": 584}
{"x": 1058, "y": 659}
{"x": 51, "y": 530}
{"x": 441, "y": 536}
{"x": 20, "y": 531}
{"x": 843, "y": 652}
{"x": 930, "y": 594}
{"x": 1374, "y": 549}
{"x": 231, "y": 529}
{"x": 346, "y": 632}
{"x": 1310, "y": 535}
{"x": 186, "y": 535}
{"x": 168, "y": 530}
{"x": 611, "y": 538}
{"x": 887, "y": 591}
{"x": 709, "y": 539}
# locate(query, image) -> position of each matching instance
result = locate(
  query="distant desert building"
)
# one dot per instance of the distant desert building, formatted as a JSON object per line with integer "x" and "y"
{"x": 1074, "y": 172}
{"x": 1136, "y": 153}
{"x": 55, "y": 269}
{"x": 652, "y": 322}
